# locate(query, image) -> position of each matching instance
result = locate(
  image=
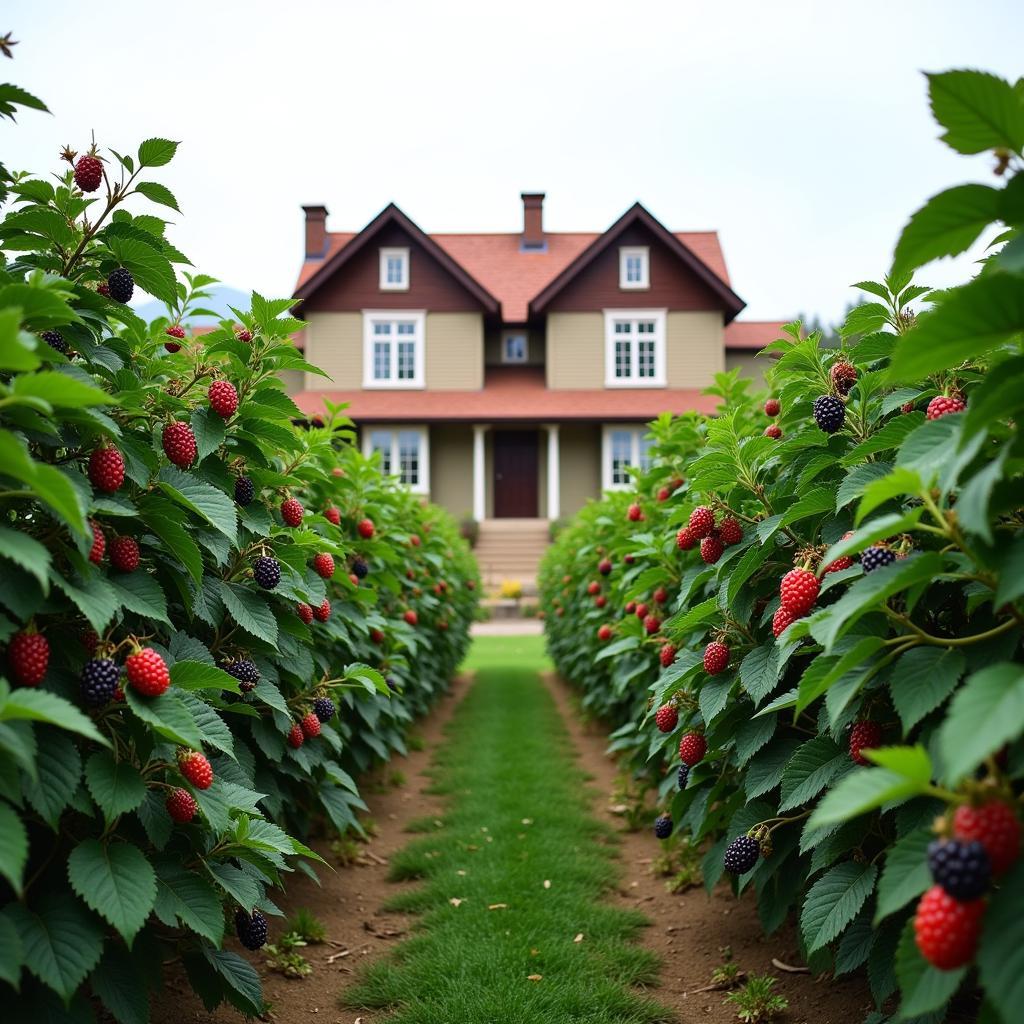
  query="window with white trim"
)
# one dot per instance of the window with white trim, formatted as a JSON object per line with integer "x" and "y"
{"x": 634, "y": 267}
{"x": 394, "y": 270}
{"x": 404, "y": 453}
{"x": 634, "y": 348}
{"x": 514, "y": 347}
{"x": 623, "y": 447}
{"x": 393, "y": 348}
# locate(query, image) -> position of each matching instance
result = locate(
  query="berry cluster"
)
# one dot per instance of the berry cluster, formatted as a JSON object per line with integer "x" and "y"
{"x": 713, "y": 538}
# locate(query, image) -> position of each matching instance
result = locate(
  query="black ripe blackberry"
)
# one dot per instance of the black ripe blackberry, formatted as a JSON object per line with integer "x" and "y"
{"x": 875, "y": 558}
{"x": 245, "y": 671}
{"x": 389, "y": 682}
{"x": 961, "y": 867}
{"x": 55, "y": 340}
{"x": 663, "y": 826}
{"x": 121, "y": 284}
{"x": 251, "y": 929}
{"x": 266, "y": 572}
{"x": 99, "y": 681}
{"x": 360, "y": 568}
{"x": 684, "y": 775}
{"x": 829, "y": 413}
{"x": 741, "y": 855}
{"x": 324, "y": 709}
{"x": 244, "y": 490}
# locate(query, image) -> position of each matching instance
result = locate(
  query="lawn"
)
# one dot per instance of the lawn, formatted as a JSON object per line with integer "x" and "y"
{"x": 526, "y": 652}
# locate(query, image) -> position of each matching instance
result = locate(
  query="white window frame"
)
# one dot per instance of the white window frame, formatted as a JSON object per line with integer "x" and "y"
{"x": 633, "y": 381}
{"x": 422, "y": 486}
{"x": 394, "y": 286}
{"x": 505, "y": 335}
{"x": 628, "y": 252}
{"x": 637, "y": 432}
{"x": 419, "y": 338}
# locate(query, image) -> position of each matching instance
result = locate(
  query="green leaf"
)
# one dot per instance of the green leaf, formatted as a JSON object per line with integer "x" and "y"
{"x": 61, "y": 941}
{"x": 156, "y": 152}
{"x": 987, "y": 711}
{"x": 834, "y": 901}
{"x": 814, "y": 683}
{"x": 60, "y": 390}
{"x": 250, "y": 611}
{"x": 759, "y": 672}
{"x": 157, "y": 193}
{"x": 905, "y": 875}
{"x": 11, "y": 955}
{"x": 116, "y": 786}
{"x": 152, "y": 270}
{"x": 921, "y": 680}
{"x": 185, "y": 897}
{"x": 1001, "y": 952}
{"x": 116, "y": 981}
{"x": 204, "y": 499}
{"x": 44, "y": 706}
{"x": 162, "y": 517}
{"x": 212, "y": 727}
{"x": 811, "y": 768}
{"x": 167, "y": 714}
{"x": 49, "y": 485}
{"x": 115, "y": 880}
{"x": 95, "y": 598}
{"x": 195, "y": 675}
{"x": 241, "y": 887}
{"x": 946, "y": 225}
{"x": 140, "y": 593}
{"x": 863, "y": 791}
{"x": 13, "y": 846}
{"x": 765, "y": 771}
{"x": 924, "y": 988}
{"x": 59, "y": 770}
{"x": 979, "y": 111}
{"x": 244, "y": 990}
{"x": 901, "y": 481}
{"x": 28, "y": 553}
{"x": 209, "y": 430}
{"x": 972, "y": 507}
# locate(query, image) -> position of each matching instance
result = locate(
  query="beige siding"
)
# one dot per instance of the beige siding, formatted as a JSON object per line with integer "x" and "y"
{"x": 451, "y": 469}
{"x": 580, "y": 464}
{"x": 293, "y": 380}
{"x": 748, "y": 365}
{"x": 575, "y": 350}
{"x": 334, "y": 342}
{"x": 455, "y": 351}
{"x": 694, "y": 350}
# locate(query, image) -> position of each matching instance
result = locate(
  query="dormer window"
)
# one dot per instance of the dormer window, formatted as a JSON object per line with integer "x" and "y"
{"x": 634, "y": 267}
{"x": 394, "y": 270}
{"x": 514, "y": 347}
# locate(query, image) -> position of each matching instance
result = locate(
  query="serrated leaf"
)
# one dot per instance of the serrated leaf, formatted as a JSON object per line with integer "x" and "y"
{"x": 116, "y": 881}
{"x": 979, "y": 111}
{"x": 905, "y": 874}
{"x": 13, "y": 846}
{"x": 157, "y": 193}
{"x": 116, "y": 786}
{"x": 168, "y": 715}
{"x": 1001, "y": 951}
{"x": 185, "y": 897}
{"x": 244, "y": 990}
{"x": 250, "y": 611}
{"x": 59, "y": 770}
{"x": 921, "y": 680}
{"x": 157, "y": 152}
{"x": 923, "y": 988}
{"x": 196, "y": 675}
{"x": 811, "y": 768}
{"x": 11, "y": 956}
{"x": 117, "y": 982}
{"x": 765, "y": 771}
{"x": 140, "y": 593}
{"x": 44, "y": 706}
{"x": 834, "y": 901}
{"x": 27, "y": 552}
{"x": 204, "y": 499}
{"x": 211, "y": 726}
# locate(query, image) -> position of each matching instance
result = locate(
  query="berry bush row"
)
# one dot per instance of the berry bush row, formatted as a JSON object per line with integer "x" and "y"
{"x": 807, "y": 620}
{"x": 213, "y": 613}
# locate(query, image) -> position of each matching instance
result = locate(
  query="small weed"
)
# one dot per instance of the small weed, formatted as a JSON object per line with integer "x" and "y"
{"x": 426, "y": 824}
{"x": 629, "y": 797}
{"x": 345, "y": 851}
{"x": 307, "y": 926}
{"x": 679, "y": 863}
{"x": 282, "y": 957}
{"x": 414, "y": 741}
{"x": 728, "y": 973}
{"x": 370, "y": 829}
{"x": 755, "y": 1002}
{"x": 397, "y": 779}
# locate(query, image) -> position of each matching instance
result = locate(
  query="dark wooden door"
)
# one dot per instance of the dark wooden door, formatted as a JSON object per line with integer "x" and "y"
{"x": 515, "y": 473}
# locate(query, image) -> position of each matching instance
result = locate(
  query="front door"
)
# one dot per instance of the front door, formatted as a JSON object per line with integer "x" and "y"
{"x": 515, "y": 474}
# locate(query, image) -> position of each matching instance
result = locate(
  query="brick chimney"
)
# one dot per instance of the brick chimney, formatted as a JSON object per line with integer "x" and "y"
{"x": 533, "y": 220}
{"x": 316, "y": 232}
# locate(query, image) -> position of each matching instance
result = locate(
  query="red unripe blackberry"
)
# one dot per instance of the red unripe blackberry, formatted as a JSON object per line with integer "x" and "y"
{"x": 907, "y": 407}
{"x": 660, "y": 595}
{"x": 90, "y": 640}
{"x": 663, "y": 826}
{"x": 333, "y": 515}
{"x": 181, "y": 806}
{"x": 996, "y": 826}
{"x": 365, "y": 528}
{"x": 251, "y": 929}
{"x": 304, "y": 612}
{"x": 243, "y": 334}
{"x": 947, "y": 931}
{"x": 604, "y": 632}
{"x": 604, "y": 567}
{"x": 99, "y": 543}
{"x": 377, "y": 636}
{"x": 652, "y": 624}
{"x": 120, "y": 284}
{"x": 600, "y": 601}
{"x": 266, "y": 571}
{"x": 353, "y": 579}
{"x": 630, "y": 608}
{"x": 864, "y": 736}
{"x": 593, "y": 587}
{"x": 798, "y": 591}
{"x": 323, "y": 564}
{"x": 711, "y": 549}
{"x": 634, "y": 513}
{"x": 664, "y": 494}
{"x": 223, "y": 398}
{"x": 773, "y": 430}
{"x": 310, "y": 725}
{"x": 291, "y": 512}
{"x": 245, "y": 491}
{"x": 741, "y": 855}
{"x": 322, "y": 612}
{"x": 103, "y": 289}
{"x": 692, "y": 748}
{"x": 685, "y": 539}
{"x": 716, "y": 658}
{"x": 702, "y": 522}
{"x": 642, "y": 610}
{"x": 667, "y": 655}
{"x": 829, "y": 413}
{"x": 196, "y": 768}
{"x": 296, "y": 737}
{"x": 772, "y": 407}
{"x": 666, "y": 718}
{"x": 56, "y": 341}
{"x": 28, "y": 654}
{"x": 730, "y": 531}
{"x": 180, "y": 444}
{"x": 843, "y": 562}
{"x": 414, "y": 540}
{"x": 147, "y": 672}
{"x": 88, "y": 172}
{"x": 781, "y": 619}
{"x": 944, "y": 405}
{"x": 106, "y": 469}
{"x": 629, "y": 559}
{"x": 177, "y": 332}
{"x": 124, "y": 554}
{"x": 411, "y": 617}
{"x": 843, "y": 376}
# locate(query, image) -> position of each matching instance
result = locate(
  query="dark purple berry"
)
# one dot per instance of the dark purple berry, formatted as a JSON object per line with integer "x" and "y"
{"x": 324, "y": 709}
{"x": 251, "y": 928}
{"x": 741, "y": 855}
{"x": 244, "y": 491}
{"x": 684, "y": 775}
{"x": 121, "y": 284}
{"x": 962, "y": 867}
{"x": 266, "y": 571}
{"x": 663, "y": 826}
{"x": 55, "y": 340}
{"x": 360, "y": 568}
{"x": 245, "y": 671}
{"x": 875, "y": 558}
{"x": 829, "y": 413}
{"x": 99, "y": 681}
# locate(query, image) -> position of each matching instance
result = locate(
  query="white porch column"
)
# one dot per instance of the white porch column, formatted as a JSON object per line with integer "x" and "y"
{"x": 554, "y": 476}
{"x": 479, "y": 483}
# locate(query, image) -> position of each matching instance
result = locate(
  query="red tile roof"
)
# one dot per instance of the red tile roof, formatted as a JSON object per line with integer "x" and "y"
{"x": 510, "y": 394}
{"x": 514, "y": 276}
{"x": 752, "y": 334}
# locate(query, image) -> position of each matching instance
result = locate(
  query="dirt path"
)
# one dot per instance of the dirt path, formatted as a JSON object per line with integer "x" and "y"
{"x": 688, "y": 931}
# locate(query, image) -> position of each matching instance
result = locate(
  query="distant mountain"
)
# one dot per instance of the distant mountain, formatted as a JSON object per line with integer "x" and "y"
{"x": 221, "y": 297}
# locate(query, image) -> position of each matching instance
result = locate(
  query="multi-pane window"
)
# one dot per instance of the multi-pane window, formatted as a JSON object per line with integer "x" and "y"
{"x": 636, "y": 345}
{"x": 403, "y": 453}
{"x": 394, "y": 270}
{"x": 394, "y": 350}
{"x": 634, "y": 267}
{"x": 624, "y": 447}
{"x": 513, "y": 347}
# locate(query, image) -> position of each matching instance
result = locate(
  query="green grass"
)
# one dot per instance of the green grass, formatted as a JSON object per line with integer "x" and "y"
{"x": 507, "y": 758}
{"x": 526, "y": 652}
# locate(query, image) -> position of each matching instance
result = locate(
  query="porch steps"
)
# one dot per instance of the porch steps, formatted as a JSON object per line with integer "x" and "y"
{"x": 511, "y": 549}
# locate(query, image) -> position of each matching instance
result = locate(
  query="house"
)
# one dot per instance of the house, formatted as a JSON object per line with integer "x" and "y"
{"x": 509, "y": 376}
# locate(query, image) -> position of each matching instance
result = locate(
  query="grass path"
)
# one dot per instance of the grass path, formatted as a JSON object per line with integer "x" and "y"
{"x": 516, "y": 820}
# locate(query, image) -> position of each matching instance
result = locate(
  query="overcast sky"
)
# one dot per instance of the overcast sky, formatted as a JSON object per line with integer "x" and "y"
{"x": 799, "y": 130}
